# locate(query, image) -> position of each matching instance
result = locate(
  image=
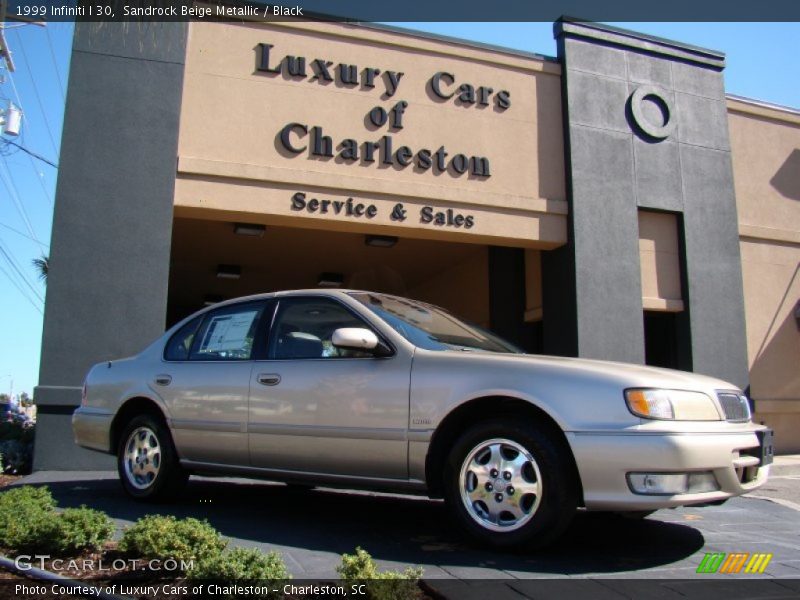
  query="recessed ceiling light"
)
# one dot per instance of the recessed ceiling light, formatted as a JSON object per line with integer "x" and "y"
{"x": 330, "y": 280}
{"x": 251, "y": 229}
{"x": 380, "y": 241}
{"x": 229, "y": 271}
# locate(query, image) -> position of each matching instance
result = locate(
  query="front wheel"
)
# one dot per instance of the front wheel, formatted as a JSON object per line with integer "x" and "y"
{"x": 146, "y": 460}
{"x": 510, "y": 484}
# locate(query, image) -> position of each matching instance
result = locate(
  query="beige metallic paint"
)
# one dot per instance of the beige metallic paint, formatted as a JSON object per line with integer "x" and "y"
{"x": 368, "y": 444}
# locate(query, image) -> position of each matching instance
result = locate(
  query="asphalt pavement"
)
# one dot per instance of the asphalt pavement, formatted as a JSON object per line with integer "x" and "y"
{"x": 312, "y": 528}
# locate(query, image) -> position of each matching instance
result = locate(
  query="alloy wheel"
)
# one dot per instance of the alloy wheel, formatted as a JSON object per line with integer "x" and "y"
{"x": 500, "y": 485}
{"x": 142, "y": 458}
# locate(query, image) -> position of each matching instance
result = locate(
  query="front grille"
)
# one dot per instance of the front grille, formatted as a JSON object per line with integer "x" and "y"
{"x": 735, "y": 406}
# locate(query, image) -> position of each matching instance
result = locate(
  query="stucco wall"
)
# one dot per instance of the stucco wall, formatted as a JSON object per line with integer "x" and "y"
{"x": 107, "y": 286}
{"x": 231, "y": 158}
{"x": 765, "y": 145}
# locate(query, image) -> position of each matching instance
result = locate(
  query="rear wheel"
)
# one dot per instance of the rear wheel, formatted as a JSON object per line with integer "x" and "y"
{"x": 147, "y": 462}
{"x": 510, "y": 484}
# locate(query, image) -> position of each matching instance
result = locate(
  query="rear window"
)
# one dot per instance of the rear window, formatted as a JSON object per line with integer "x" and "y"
{"x": 180, "y": 344}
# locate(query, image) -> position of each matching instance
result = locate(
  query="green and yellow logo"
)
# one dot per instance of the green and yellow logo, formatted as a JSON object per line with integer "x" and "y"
{"x": 732, "y": 563}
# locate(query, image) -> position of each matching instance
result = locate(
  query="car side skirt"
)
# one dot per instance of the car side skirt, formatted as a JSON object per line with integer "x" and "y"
{"x": 404, "y": 486}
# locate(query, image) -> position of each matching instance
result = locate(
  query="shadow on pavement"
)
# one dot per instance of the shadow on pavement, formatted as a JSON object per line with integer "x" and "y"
{"x": 403, "y": 529}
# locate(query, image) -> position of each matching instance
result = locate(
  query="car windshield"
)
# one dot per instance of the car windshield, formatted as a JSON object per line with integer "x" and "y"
{"x": 430, "y": 327}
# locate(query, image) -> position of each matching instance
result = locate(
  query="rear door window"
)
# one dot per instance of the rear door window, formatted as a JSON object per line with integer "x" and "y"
{"x": 228, "y": 333}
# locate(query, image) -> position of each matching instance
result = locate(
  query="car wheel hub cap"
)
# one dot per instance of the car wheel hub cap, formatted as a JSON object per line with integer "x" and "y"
{"x": 142, "y": 458}
{"x": 500, "y": 485}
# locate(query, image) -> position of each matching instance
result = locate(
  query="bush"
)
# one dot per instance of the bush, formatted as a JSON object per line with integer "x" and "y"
{"x": 162, "y": 537}
{"x": 78, "y": 529}
{"x": 26, "y": 517}
{"x": 17, "y": 432}
{"x": 385, "y": 585}
{"x": 242, "y": 564}
{"x": 16, "y": 446}
{"x": 18, "y": 456}
{"x": 29, "y": 522}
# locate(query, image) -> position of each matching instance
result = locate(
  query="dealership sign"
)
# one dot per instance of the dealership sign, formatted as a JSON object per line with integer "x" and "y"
{"x": 298, "y": 138}
{"x": 428, "y": 215}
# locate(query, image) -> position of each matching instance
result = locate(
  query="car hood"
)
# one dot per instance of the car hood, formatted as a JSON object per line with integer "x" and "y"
{"x": 624, "y": 374}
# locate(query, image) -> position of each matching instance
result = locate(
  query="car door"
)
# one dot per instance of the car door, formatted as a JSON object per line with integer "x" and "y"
{"x": 315, "y": 408}
{"x": 205, "y": 382}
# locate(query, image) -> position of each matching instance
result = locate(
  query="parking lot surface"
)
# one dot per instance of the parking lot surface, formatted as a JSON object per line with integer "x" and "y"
{"x": 312, "y": 528}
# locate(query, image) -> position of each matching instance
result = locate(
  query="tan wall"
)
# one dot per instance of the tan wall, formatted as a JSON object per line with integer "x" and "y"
{"x": 659, "y": 260}
{"x": 230, "y": 159}
{"x": 766, "y": 159}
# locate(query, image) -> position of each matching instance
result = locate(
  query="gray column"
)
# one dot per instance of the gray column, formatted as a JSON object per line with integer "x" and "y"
{"x": 645, "y": 127}
{"x": 110, "y": 247}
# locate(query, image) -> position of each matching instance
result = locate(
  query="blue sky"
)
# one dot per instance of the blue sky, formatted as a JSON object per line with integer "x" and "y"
{"x": 763, "y": 63}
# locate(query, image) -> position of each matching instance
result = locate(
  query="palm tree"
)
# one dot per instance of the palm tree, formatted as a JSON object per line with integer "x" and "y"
{"x": 42, "y": 265}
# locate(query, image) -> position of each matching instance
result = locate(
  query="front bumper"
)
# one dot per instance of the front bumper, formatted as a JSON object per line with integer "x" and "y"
{"x": 605, "y": 459}
{"x": 92, "y": 429}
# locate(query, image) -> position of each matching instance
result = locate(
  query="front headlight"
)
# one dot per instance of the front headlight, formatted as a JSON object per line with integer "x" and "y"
{"x": 676, "y": 405}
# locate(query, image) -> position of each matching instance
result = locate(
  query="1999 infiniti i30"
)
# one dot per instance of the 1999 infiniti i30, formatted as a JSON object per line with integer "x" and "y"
{"x": 366, "y": 390}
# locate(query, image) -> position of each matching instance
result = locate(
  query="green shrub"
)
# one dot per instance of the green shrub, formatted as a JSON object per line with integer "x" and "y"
{"x": 381, "y": 585}
{"x": 78, "y": 529}
{"x": 242, "y": 564}
{"x": 29, "y": 522}
{"x": 157, "y": 536}
{"x": 26, "y": 517}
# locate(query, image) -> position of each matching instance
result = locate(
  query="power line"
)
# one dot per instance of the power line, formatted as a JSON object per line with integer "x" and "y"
{"x": 12, "y": 191}
{"x": 19, "y": 272}
{"x": 18, "y": 232}
{"x": 39, "y": 177}
{"x": 19, "y": 289}
{"x": 55, "y": 63}
{"x": 32, "y": 153}
{"x": 16, "y": 283}
{"x": 36, "y": 93}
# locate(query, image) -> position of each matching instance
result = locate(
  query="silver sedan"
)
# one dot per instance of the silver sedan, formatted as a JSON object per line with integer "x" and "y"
{"x": 366, "y": 390}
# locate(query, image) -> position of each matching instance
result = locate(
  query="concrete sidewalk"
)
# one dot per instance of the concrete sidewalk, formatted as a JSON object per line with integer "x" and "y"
{"x": 787, "y": 464}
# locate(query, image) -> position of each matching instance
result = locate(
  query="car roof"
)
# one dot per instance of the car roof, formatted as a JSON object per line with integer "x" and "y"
{"x": 283, "y": 293}
{"x": 290, "y": 293}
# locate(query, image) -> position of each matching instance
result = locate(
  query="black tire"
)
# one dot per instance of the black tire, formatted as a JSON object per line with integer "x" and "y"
{"x": 170, "y": 478}
{"x": 557, "y": 501}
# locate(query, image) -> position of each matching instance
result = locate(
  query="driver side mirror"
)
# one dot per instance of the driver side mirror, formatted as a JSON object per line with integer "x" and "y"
{"x": 358, "y": 338}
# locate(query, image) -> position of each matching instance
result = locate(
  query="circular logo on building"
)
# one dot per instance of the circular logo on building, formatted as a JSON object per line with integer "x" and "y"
{"x": 652, "y": 112}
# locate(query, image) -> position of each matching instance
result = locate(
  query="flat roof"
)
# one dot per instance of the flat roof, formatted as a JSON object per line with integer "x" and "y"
{"x": 764, "y": 104}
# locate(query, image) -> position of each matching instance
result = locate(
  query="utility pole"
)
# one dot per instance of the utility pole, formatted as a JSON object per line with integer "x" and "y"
{"x": 10, "y": 118}
{"x": 5, "y": 52}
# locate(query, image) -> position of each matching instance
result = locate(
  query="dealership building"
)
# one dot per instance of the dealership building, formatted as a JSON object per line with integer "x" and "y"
{"x": 612, "y": 202}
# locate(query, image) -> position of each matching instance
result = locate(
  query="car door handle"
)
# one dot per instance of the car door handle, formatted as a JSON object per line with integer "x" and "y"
{"x": 269, "y": 378}
{"x": 163, "y": 379}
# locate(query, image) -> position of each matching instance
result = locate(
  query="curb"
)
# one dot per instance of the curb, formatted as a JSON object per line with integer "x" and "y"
{"x": 75, "y": 585}
{"x": 785, "y": 469}
{"x": 426, "y": 587}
